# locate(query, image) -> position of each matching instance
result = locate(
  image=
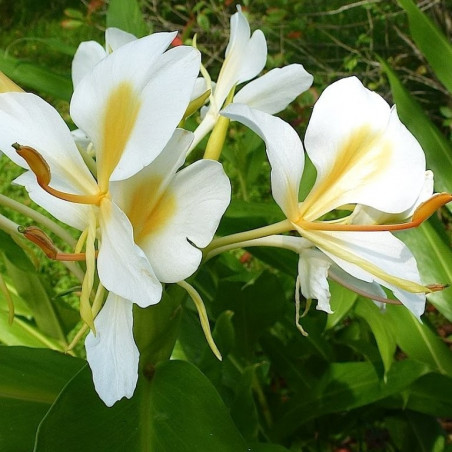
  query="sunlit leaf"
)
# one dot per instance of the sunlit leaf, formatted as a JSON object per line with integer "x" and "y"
{"x": 34, "y": 77}
{"x": 127, "y": 16}
{"x": 434, "y": 259}
{"x": 383, "y": 332}
{"x": 437, "y": 149}
{"x": 431, "y": 41}
{"x": 418, "y": 341}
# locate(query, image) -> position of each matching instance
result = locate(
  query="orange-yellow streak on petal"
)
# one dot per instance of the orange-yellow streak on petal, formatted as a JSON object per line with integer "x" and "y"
{"x": 422, "y": 213}
{"x": 41, "y": 170}
{"x": 147, "y": 214}
{"x": 359, "y": 158}
{"x": 121, "y": 111}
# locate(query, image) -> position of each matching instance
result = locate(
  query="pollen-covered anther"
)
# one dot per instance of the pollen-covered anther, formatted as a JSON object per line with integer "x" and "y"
{"x": 41, "y": 169}
{"x": 41, "y": 239}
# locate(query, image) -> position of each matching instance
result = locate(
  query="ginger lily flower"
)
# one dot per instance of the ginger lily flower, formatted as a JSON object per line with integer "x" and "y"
{"x": 173, "y": 214}
{"x": 245, "y": 58}
{"x": 364, "y": 156}
{"x": 129, "y": 106}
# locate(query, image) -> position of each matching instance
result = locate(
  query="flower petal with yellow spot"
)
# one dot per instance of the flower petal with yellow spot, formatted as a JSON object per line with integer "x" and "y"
{"x": 366, "y": 160}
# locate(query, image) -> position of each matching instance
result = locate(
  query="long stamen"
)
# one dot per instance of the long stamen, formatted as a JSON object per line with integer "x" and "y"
{"x": 422, "y": 213}
{"x": 41, "y": 170}
{"x": 41, "y": 239}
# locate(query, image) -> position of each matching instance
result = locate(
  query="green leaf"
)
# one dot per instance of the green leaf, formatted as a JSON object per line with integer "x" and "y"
{"x": 36, "y": 77}
{"x": 437, "y": 149}
{"x": 414, "y": 431}
{"x": 31, "y": 289}
{"x": 383, "y": 333}
{"x": 431, "y": 41}
{"x": 178, "y": 410}
{"x": 341, "y": 302}
{"x": 127, "y": 16}
{"x": 434, "y": 259}
{"x": 346, "y": 386}
{"x": 30, "y": 381}
{"x": 256, "y": 307}
{"x": 418, "y": 341}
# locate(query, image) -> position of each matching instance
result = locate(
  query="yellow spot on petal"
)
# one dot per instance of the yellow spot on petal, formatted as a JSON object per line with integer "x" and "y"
{"x": 119, "y": 120}
{"x": 149, "y": 212}
{"x": 359, "y": 158}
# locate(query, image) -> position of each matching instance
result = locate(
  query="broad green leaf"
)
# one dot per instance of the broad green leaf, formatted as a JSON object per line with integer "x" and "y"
{"x": 34, "y": 77}
{"x": 346, "y": 386}
{"x": 431, "y": 41}
{"x": 178, "y": 410}
{"x": 127, "y": 16}
{"x": 429, "y": 394}
{"x": 416, "y": 432}
{"x": 256, "y": 307}
{"x": 22, "y": 332}
{"x": 434, "y": 259}
{"x": 383, "y": 333}
{"x": 418, "y": 341}
{"x": 436, "y": 147}
{"x": 156, "y": 328}
{"x": 30, "y": 381}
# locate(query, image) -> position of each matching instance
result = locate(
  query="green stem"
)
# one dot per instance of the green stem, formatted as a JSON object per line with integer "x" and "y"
{"x": 234, "y": 239}
{"x": 39, "y": 218}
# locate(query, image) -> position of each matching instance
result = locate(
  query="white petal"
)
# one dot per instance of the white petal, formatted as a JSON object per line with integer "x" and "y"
{"x": 275, "y": 90}
{"x": 189, "y": 212}
{"x": 138, "y": 195}
{"x": 116, "y": 38}
{"x": 112, "y": 353}
{"x": 88, "y": 54}
{"x": 368, "y": 215}
{"x": 123, "y": 268}
{"x": 245, "y": 58}
{"x": 284, "y": 150}
{"x": 30, "y": 121}
{"x": 374, "y": 256}
{"x": 362, "y": 152}
{"x": 73, "y": 214}
{"x": 313, "y": 271}
{"x": 199, "y": 89}
{"x": 132, "y": 101}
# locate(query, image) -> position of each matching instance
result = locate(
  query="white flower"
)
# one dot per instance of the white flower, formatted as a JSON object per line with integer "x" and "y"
{"x": 147, "y": 219}
{"x": 245, "y": 58}
{"x": 364, "y": 156}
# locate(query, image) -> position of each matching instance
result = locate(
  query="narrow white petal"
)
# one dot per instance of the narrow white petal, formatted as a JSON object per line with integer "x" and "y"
{"x": 313, "y": 272}
{"x": 245, "y": 57}
{"x": 186, "y": 219}
{"x": 362, "y": 152}
{"x": 123, "y": 268}
{"x": 116, "y": 38}
{"x": 284, "y": 150}
{"x": 275, "y": 90}
{"x": 88, "y": 54}
{"x": 112, "y": 353}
